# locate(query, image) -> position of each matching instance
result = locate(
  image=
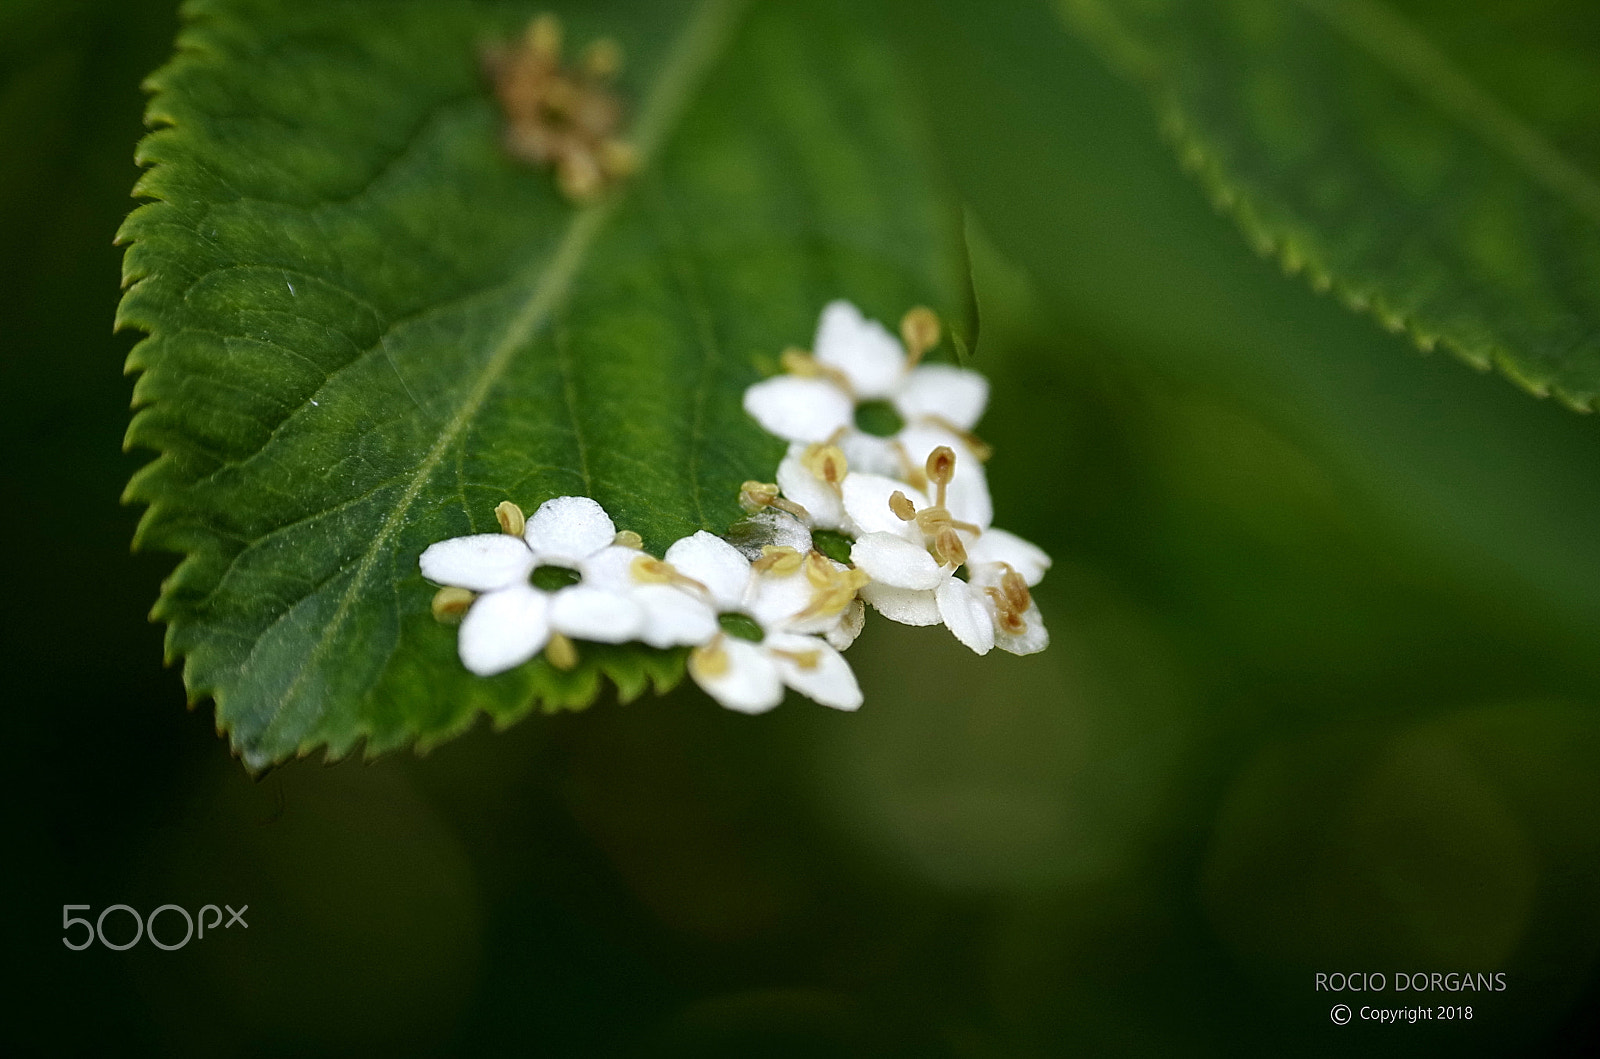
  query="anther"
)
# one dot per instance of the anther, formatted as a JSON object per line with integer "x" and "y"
{"x": 797, "y": 361}
{"x": 602, "y": 58}
{"x": 710, "y": 660}
{"x": 826, "y": 463}
{"x": 941, "y": 468}
{"x": 779, "y": 560}
{"x": 902, "y": 506}
{"x": 544, "y": 38}
{"x": 753, "y": 496}
{"x": 919, "y": 329}
{"x": 511, "y": 518}
{"x": 628, "y": 539}
{"x": 948, "y": 549}
{"x": 449, "y": 604}
{"x": 561, "y": 653}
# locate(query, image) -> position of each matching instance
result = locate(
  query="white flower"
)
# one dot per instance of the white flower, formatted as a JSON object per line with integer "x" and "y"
{"x": 797, "y": 612}
{"x": 859, "y": 367}
{"x": 912, "y": 549}
{"x": 511, "y": 619}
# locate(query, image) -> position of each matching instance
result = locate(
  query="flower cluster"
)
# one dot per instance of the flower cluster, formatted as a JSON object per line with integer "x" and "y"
{"x": 882, "y": 462}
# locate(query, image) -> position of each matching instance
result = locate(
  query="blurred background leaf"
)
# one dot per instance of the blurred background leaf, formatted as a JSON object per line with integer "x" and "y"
{"x": 1436, "y": 165}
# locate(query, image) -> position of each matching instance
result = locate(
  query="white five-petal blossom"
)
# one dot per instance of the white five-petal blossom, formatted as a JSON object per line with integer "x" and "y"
{"x": 802, "y": 611}
{"x": 857, "y": 361}
{"x": 511, "y": 620}
{"x": 912, "y": 548}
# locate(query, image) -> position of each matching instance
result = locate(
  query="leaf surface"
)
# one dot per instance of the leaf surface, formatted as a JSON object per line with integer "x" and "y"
{"x": 1436, "y": 165}
{"x": 367, "y": 326}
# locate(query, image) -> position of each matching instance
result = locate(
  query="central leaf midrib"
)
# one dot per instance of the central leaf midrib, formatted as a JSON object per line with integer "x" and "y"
{"x": 691, "y": 55}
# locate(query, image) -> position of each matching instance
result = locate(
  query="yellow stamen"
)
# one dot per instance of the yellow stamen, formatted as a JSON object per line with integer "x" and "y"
{"x": 710, "y": 661}
{"x": 628, "y": 539}
{"x": 902, "y": 506}
{"x": 449, "y": 604}
{"x": 511, "y": 518}
{"x": 948, "y": 549}
{"x": 919, "y": 329}
{"x": 799, "y": 362}
{"x": 778, "y": 560}
{"x": 753, "y": 496}
{"x": 602, "y": 58}
{"x": 544, "y": 38}
{"x": 826, "y": 463}
{"x": 941, "y": 468}
{"x": 561, "y": 653}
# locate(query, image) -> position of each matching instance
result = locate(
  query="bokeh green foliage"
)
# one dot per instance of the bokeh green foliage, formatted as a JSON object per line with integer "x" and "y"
{"x": 1322, "y": 693}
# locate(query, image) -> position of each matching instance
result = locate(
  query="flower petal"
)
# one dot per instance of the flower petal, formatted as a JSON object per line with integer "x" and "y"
{"x": 955, "y": 395}
{"x": 591, "y": 613}
{"x": 748, "y": 683}
{"x": 866, "y": 501}
{"x": 482, "y": 562}
{"x": 773, "y": 601}
{"x": 503, "y": 629}
{"x": 815, "y": 670}
{"x": 819, "y": 499}
{"x": 799, "y": 409}
{"x": 1031, "y": 640}
{"x": 610, "y": 567}
{"x": 999, "y": 546}
{"x": 568, "y": 529}
{"x": 961, "y": 608}
{"x": 863, "y": 349}
{"x": 673, "y": 617}
{"x": 714, "y": 563}
{"x": 870, "y": 454}
{"x": 904, "y": 605}
{"x": 850, "y": 624}
{"x": 895, "y": 561}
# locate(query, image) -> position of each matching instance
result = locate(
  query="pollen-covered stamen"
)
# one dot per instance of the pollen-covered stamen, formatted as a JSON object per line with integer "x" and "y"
{"x": 449, "y": 604}
{"x": 1011, "y": 602}
{"x": 561, "y": 652}
{"x": 511, "y": 518}
{"x": 710, "y": 661}
{"x": 826, "y": 464}
{"x": 919, "y": 330}
{"x": 648, "y": 570}
{"x": 778, "y": 560}
{"x": 753, "y": 496}
{"x": 797, "y": 361}
{"x": 832, "y": 588}
{"x": 803, "y": 659}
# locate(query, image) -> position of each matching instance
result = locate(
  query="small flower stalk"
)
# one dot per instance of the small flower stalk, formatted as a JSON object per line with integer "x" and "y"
{"x": 882, "y": 465}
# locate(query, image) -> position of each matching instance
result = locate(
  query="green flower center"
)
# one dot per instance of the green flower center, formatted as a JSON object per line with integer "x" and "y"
{"x": 878, "y": 418}
{"x": 551, "y": 578}
{"x": 741, "y": 625}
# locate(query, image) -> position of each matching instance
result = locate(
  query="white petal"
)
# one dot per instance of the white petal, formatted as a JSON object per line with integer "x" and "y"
{"x": 590, "y": 613}
{"x": 819, "y": 499}
{"x": 866, "y": 501}
{"x": 999, "y": 546}
{"x": 482, "y": 562}
{"x": 961, "y": 609}
{"x": 714, "y": 563}
{"x": 967, "y": 497}
{"x": 870, "y": 454}
{"x": 773, "y": 601}
{"x": 503, "y": 629}
{"x": 750, "y": 684}
{"x": 673, "y": 617}
{"x": 896, "y": 561}
{"x": 849, "y": 626}
{"x": 611, "y": 568}
{"x": 863, "y": 349}
{"x": 799, "y": 409}
{"x": 568, "y": 529}
{"x": 1031, "y": 640}
{"x": 904, "y": 605}
{"x": 955, "y": 395}
{"x": 828, "y": 678}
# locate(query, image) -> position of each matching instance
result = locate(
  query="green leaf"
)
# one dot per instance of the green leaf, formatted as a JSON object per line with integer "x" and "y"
{"x": 367, "y": 326}
{"x": 1435, "y": 165}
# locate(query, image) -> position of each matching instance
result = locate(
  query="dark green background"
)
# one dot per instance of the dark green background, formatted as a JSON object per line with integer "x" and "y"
{"x": 1321, "y": 695}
